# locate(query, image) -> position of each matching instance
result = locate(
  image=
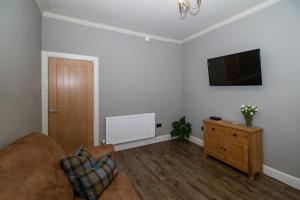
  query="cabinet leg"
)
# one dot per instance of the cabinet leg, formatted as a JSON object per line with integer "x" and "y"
{"x": 251, "y": 176}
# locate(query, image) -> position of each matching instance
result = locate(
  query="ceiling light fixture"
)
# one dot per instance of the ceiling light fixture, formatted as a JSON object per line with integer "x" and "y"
{"x": 189, "y": 6}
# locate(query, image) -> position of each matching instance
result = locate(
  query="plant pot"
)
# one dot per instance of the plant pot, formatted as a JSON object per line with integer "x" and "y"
{"x": 248, "y": 120}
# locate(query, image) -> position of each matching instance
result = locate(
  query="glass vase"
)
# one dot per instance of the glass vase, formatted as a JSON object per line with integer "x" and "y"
{"x": 248, "y": 120}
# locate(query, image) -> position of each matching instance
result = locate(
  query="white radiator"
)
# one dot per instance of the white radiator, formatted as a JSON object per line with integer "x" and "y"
{"x": 122, "y": 129}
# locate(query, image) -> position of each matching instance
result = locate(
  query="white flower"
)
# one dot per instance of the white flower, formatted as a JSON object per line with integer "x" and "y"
{"x": 249, "y": 109}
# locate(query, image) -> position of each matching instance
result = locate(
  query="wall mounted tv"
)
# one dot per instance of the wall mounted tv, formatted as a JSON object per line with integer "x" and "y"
{"x": 236, "y": 69}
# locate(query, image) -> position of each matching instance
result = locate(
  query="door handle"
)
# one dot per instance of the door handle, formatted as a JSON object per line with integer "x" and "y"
{"x": 51, "y": 110}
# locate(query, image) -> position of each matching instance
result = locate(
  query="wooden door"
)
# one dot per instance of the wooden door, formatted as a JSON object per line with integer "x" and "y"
{"x": 236, "y": 153}
{"x": 214, "y": 143}
{"x": 70, "y": 102}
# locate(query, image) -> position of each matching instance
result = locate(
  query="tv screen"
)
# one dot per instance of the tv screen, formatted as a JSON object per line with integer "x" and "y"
{"x": 236, "y": 69}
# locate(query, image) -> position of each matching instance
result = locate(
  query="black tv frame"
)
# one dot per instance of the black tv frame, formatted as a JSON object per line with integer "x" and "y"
{"x": 258, "y": 84}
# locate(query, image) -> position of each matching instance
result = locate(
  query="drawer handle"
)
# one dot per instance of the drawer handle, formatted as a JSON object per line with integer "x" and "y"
{"x": 213, "y": 129}
{"x": 222, "y": 148}
{"x": 234, "y": 135}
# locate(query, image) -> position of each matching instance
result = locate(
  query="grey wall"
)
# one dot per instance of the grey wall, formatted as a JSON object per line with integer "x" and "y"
{"x": 276, "y": 32}
{"x": 135, "y": 76}
{"x": 20, "y": 74}
{"x": 139, "y": 77}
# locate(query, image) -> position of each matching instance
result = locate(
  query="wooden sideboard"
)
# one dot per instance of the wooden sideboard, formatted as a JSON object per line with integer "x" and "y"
{"x": 234, "y": 144}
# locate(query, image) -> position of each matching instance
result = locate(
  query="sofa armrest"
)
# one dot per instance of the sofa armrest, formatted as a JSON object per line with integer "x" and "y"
{"x": 99, "y": 151}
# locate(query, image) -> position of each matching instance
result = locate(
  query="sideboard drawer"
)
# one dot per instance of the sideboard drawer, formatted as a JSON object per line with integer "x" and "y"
{"x": 213, "y": 128}
{"x": 237, "y": 135}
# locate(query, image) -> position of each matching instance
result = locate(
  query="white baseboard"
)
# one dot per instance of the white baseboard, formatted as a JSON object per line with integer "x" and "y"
{"x": 162, "y": 138}
{"x": 283, "y": 177}
{"x": 196, "y": 140}
{"x": 130, "y": 145}
{"x": 274, "y": 173}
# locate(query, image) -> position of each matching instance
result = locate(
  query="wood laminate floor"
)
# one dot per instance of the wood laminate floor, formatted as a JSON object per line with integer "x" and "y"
{"x": 178, "y": 170}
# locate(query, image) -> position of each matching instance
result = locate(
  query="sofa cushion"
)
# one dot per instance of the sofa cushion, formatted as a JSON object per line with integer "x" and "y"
{"x": 94, "y": 181}
{"x": 84, "y": 152}
{"x": 75, "y": 164}
{"x": 119, "y": 189}
{"x": 29, "y": 169}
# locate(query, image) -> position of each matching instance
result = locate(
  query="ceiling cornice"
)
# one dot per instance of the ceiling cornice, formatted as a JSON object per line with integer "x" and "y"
{"x": 77, "y": 20}
{"x": 231, "y": 19}
{"x": 226, "y": 21}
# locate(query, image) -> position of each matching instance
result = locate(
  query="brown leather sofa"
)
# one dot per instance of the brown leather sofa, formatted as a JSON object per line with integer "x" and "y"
{"x": 29, "y": 169}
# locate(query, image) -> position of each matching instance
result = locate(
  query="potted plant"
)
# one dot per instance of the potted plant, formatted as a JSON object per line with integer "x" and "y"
{"x": 248, "y": 111}
{"x": 181, "y": 129}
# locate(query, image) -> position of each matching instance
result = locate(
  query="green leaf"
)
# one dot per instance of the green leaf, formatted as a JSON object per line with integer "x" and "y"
{"x": 182, "y": 120}
{"x": 181, "y": 129}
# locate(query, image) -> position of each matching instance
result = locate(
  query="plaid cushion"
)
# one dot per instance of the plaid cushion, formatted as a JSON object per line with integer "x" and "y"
{"x": 83, "y": 152}
{"x": 73, "y": 165}
{"x": 94, "y": 181}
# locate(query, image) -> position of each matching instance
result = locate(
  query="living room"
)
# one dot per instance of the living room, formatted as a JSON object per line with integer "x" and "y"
{"x": 148, "y": 64}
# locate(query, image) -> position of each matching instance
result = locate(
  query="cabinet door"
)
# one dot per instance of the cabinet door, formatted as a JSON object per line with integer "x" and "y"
{"x": 236, "y": 153}
{"x": 213, "y": 145}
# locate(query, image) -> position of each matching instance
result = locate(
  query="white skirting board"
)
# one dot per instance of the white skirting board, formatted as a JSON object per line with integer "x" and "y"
{"x": 283, "y": 177}
{"x": 274, "y": 173}
{"x": 196, "y": 141}
{"x": 130, "y": 145}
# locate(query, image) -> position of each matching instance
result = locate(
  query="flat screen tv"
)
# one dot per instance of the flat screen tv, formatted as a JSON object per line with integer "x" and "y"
{"x": 236, "y": 69}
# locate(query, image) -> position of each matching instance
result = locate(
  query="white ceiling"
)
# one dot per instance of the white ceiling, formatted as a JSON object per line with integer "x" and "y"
{"x": 156, "y": 17}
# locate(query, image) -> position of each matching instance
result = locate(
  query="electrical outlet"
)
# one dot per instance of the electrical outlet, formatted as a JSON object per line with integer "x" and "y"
{"x": 103, "y": 142}
{"x": 158, "y": 125}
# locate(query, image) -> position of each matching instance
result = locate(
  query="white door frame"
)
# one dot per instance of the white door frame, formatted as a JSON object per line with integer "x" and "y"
{"x": 95, "y": 60}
